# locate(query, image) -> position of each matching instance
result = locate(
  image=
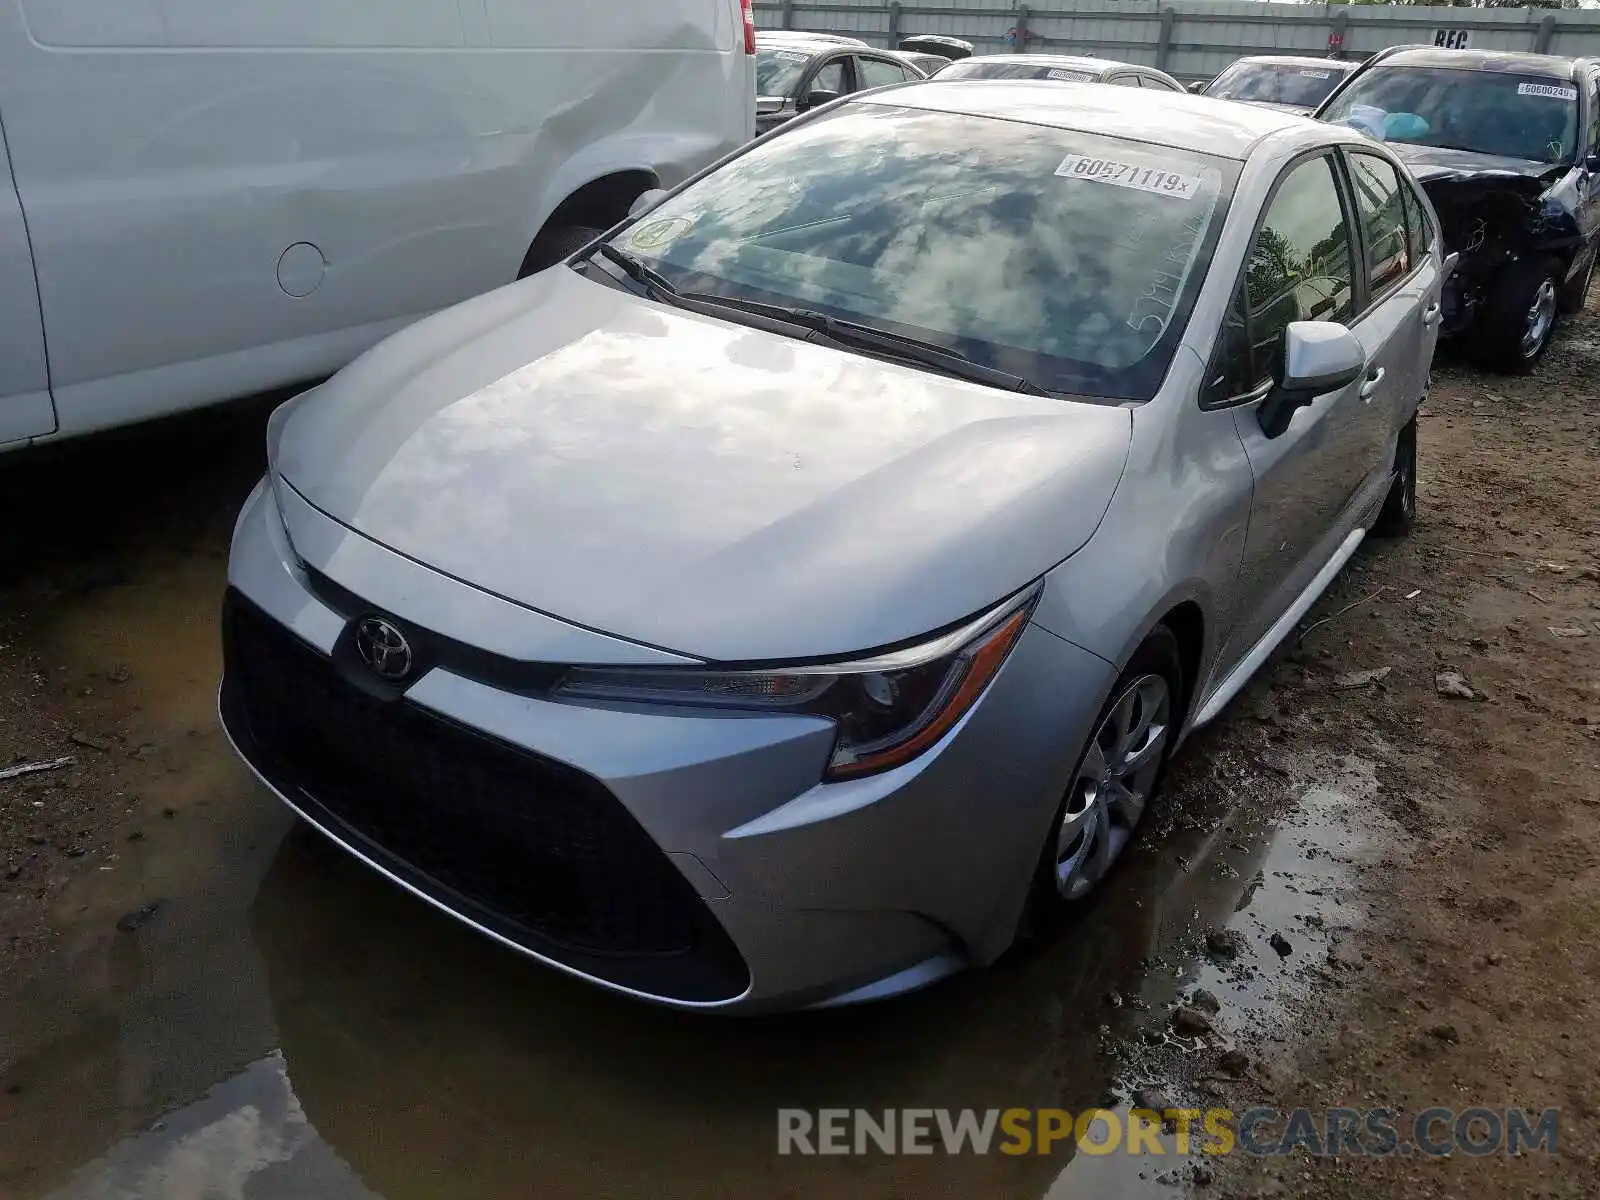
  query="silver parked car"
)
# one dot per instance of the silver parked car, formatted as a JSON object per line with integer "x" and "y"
{"x": 1066, "y": 68}
{"x": 1283, "y": 81}
{"x": 774, "y": 604}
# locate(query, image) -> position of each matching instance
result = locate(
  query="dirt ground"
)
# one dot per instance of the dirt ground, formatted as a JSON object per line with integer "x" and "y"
{"x": 1428, "y": 861}
{"x": 1474, "y": 982}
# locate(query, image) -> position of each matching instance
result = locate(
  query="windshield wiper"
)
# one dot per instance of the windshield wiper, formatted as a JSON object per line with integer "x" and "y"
{"x": 652, "y": 280}
{"x": 868, "y": 337}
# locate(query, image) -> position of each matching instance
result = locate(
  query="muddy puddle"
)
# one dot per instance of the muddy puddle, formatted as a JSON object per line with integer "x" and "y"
{"x": 275, "y": 1021}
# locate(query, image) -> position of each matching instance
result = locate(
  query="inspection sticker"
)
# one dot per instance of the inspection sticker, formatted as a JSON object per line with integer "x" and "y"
{"x": 1311, "y": 73}
{"x": 1129, "y": 175}
{"x": 1549, "y": 90}
{"x": 1069, "y": 76}
{"x": 658, "y": 234}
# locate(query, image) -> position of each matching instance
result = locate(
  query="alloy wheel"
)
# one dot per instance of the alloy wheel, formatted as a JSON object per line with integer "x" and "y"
{"x": 1541, "y": 316}
{"x": 1112, "y": 786}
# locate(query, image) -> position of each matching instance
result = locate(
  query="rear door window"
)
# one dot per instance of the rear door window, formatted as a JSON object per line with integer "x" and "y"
{"x": 1380, "y": 203}
{"x": 1419, "y": 226}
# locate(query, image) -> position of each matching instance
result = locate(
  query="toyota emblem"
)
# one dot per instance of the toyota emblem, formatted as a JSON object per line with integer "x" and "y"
{"x": 383, "y": 648}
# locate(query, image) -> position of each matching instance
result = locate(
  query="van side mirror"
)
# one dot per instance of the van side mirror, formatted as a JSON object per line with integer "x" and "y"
{"x": 817, "y": 99}
{"x": 1318, "y": 357}
{"x": 646, "y": 200}
{"x": 1198, "y": 86}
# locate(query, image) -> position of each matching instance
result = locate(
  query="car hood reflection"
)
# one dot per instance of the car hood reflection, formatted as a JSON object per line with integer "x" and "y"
{"x": 697, "y": 484}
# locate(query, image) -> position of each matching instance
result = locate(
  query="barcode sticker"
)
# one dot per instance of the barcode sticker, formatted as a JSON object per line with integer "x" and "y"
{"x": 1310, "y": 73}
{"x": 1129, "y": 175}
{"x": 1070, "y": 76}
{"x": 1548, "y": 90}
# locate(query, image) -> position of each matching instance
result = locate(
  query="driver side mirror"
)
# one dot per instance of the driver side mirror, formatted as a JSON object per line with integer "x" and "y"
{"x": 817, "y": 99}
{"x": 1318, "y": 357}
{"x": 1198, "y": 86}
{"x": 646, "y": 200}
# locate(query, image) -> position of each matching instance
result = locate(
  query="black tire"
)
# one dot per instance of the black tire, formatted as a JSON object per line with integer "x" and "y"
{"x": 555, "y": 243}
{"x": 1575, "y": 294}
{"x": 1158, "y": 655}
{"x": 1399, "y": 512}
{"x": 1505, "y": 331}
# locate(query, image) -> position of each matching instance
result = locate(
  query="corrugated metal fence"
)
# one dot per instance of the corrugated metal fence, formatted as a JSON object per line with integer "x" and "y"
{"x": 1192, "y": 39}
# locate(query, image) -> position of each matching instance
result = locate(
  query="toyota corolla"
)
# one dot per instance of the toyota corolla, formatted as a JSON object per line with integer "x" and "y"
{"x": 801, "y": 590}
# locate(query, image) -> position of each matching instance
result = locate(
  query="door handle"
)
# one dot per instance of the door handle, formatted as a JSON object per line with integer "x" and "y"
{"x": 1369, "y": 389}
{"x": 1431, "y": 314}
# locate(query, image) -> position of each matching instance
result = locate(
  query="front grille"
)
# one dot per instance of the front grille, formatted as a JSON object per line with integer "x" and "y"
{"x": 528, "y": 847}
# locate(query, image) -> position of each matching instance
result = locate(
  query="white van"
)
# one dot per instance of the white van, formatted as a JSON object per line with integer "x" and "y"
{"x": 201, "y": 199}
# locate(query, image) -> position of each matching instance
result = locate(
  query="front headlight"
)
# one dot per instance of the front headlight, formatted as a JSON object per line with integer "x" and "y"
{"x": 888, "y": 709}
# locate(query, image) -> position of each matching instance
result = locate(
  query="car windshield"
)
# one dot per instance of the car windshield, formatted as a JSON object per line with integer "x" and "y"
{"x": 778, "y": 70}
{"x": 1276, "y": 83}
{"x": 1025, "y": 70}
{"x": 1070, "y": 259}
{"x": 1490, "y": 112}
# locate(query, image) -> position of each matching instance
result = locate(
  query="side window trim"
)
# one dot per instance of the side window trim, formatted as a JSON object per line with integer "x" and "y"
{"x": 1336, "y": 166}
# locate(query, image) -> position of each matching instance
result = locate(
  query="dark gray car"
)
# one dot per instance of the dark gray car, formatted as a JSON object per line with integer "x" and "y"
{"x": 796, "y": 72}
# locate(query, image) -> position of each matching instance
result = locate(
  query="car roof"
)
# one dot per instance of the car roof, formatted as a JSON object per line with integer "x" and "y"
{"x": 805, "y": 39}
{"x": 1201, "y": 123}
{"x": 1078, "y": 62}
{"x": 1517, "y": 61}
{"x": 1299, "y": 60}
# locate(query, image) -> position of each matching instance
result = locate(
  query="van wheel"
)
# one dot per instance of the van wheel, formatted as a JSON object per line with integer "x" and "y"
{"x": 1521, "y": 315}
{"x": 1575, "y": 295}
{"x": 555, "y": 243}
{"x": 1121, "y": 767}
{"x": 1399, "y": 512}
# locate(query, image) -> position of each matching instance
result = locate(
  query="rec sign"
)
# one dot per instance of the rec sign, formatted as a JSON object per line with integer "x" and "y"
{"x": 1451, "y": 39}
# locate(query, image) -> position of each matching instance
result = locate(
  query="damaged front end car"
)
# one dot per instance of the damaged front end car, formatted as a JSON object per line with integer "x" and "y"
{"x": 1522, "y": 257}
{"x": 1506, "y": 145}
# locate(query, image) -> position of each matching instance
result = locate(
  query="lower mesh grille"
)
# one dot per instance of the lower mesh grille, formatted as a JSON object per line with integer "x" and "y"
{"x": 525, "y": 846}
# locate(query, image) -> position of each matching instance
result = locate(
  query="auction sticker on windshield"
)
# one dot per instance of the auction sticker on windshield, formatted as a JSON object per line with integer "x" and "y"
{"x": 1550, "y": 90}
{"x": 658, "y": 234}
{"x": 1069, "y": 76}
{"x": 1311, "y": 73}
{"x": 1129, "y": 175}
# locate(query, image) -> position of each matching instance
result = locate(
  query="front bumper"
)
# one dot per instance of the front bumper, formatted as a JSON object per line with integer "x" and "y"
{"x": 686, "y": 858}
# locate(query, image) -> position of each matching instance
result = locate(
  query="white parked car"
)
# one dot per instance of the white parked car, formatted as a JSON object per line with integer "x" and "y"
{"x": 203, "y": 200}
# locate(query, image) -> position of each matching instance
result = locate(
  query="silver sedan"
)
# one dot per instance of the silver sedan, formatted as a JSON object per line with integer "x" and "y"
{"x": 788, "y": 598}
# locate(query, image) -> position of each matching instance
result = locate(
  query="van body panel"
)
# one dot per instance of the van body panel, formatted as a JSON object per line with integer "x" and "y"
{"x": 235, "y": 195}
{"x": 25, "y": 408}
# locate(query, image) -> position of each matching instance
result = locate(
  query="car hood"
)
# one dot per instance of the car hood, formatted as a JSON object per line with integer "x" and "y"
{"x": 695, "y": 484}
{"x": 1431, "y": 164}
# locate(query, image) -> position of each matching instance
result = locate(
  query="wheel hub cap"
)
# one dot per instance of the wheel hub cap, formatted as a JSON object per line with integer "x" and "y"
{"x": 1112, "y": 786}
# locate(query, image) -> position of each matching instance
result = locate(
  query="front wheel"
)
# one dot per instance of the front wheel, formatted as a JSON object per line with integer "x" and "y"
{"x": 1116, "y": 777}
{"x": 1520, "y": 316}
{"x": 555, "y": 243}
